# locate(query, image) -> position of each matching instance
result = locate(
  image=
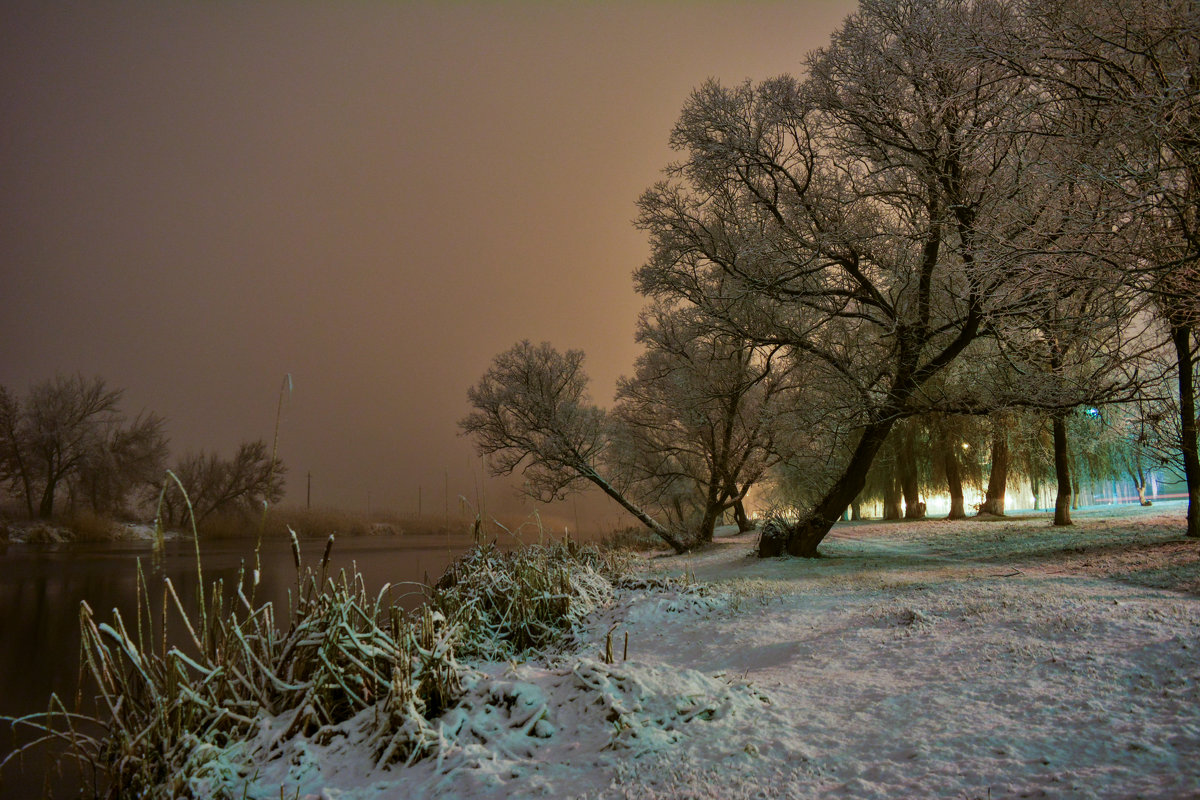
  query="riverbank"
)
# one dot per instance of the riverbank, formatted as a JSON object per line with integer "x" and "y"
{"x": 85, "y": 527}
{"x": 961, "y": 660}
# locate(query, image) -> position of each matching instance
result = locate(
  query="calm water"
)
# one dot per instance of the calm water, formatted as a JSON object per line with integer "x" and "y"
{"x": 41, "y": 588}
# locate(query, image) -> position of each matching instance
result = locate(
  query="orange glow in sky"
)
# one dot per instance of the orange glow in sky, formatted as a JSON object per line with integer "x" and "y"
{"x": 196, "y": 199}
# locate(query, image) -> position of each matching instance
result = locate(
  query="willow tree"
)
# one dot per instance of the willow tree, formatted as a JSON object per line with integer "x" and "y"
{"x": 1136, "y": 63}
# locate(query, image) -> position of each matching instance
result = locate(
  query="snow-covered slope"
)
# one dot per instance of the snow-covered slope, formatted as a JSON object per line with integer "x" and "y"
{"x": 959, "y": 660}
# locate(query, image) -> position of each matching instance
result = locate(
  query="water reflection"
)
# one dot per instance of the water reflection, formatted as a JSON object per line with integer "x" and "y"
{"x": 41, "y": 587}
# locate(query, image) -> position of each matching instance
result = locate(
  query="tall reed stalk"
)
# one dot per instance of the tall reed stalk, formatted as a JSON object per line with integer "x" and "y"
{"x": 285, "y": 389}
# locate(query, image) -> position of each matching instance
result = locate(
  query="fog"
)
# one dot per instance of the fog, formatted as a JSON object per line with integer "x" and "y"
{"x": 375, "y": 198}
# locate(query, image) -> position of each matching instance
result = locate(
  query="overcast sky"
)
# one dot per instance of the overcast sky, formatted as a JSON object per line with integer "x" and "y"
{"x": 197, "y": 199}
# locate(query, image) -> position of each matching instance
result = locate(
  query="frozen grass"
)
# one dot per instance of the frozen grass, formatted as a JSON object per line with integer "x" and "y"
{"x": 169, "y": 715}
{"x": 509, "y": 603}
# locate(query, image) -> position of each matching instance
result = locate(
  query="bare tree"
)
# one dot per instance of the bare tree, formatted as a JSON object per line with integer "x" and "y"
{"x": 15, "y": 468}
{"x": 701, "y": 415}
{"x": 215, "y": 485}
{"x": 50, "y": 438}
{"x": 532, "y": 412}
{"x": 124, "y": 466}
{"x": 1136, "y": 65}
{"x": 853, "y": 217}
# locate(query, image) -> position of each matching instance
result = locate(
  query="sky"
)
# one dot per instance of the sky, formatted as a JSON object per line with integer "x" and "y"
{"x": 375, "y": 198}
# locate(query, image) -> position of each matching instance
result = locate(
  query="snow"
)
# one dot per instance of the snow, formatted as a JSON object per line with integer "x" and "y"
{"x": 39, "y": 532}
{"x": 972, "y": 659}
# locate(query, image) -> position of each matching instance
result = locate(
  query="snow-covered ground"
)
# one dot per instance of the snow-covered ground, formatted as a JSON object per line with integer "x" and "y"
{"x": 974, "y": 659}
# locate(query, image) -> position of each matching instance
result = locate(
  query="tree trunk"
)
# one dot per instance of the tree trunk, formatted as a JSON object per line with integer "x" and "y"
{"x": 856, "y": 510}
{"x": 27, "y": 485}
{"x": 708, "y": 524}
{"x": 1181, "y": 337}
{"x": 805, "y": 536}
{"x": 1139, "y": 480}
{"x": 893, "y": 499}
{"x": 909, "y": 485}
{"x": 1035, "y": 487}
{"x": 743, "y": 520}
{"x": 1062, "y": 470}
{"x": 46, "y": 508}
{"x": 953, "y": 481}
{"x": 677, "y": 544}
{"x": 714, "y": 507}
{"x": 998, "y": 479}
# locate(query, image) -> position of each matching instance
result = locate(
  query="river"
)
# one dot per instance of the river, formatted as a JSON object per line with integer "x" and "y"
{"x": 41, "y": 587}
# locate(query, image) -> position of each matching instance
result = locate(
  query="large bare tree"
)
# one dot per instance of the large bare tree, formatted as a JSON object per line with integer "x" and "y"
{"x": 1135, "y": 64}
{"x": 69, "y": 431}
{"x": 853, "y": 217}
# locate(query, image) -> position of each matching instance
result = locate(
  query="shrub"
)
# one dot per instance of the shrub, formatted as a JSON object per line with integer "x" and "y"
{"x": 88, "y": 526}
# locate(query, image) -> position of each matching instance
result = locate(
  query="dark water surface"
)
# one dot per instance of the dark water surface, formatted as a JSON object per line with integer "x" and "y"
{"x": 41, "y": 587}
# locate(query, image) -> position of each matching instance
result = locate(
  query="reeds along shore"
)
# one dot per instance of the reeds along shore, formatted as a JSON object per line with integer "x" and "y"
{"x": 86, "y": 526}
{"x": 189, "y": 678}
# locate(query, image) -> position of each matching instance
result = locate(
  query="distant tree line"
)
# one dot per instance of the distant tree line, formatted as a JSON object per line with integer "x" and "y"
{"x": 66, "y": 446}
{"x": 973, "y": 222}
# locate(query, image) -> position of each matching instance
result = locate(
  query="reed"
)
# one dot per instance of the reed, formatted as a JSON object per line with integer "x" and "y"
{"x": 162, "y": 710}
{"x": 284, "y": 390}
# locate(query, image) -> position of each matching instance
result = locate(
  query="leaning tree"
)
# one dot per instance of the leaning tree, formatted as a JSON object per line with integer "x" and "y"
{"x": 532, "y": 413}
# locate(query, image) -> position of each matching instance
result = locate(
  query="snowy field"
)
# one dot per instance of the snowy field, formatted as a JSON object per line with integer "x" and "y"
{"x": 976, "y": 659}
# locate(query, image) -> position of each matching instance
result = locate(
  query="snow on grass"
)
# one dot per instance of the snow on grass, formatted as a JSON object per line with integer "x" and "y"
{"x": 960, "y": 660}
